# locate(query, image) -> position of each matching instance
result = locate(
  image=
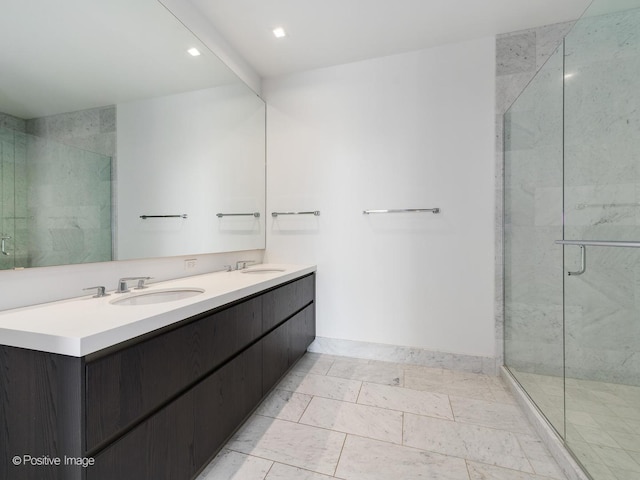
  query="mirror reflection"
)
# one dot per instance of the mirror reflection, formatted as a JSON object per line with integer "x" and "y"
{"x": 117, "y": 143}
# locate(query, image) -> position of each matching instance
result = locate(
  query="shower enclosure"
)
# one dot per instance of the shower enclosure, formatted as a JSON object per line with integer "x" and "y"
{"x": 572, "y": 238}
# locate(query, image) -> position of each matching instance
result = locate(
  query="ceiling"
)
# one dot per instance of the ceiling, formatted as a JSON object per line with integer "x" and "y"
{"x": 330, "y": 32}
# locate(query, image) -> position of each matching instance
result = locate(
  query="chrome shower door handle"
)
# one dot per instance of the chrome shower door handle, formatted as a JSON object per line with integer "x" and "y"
{"x": 3, "y": 244}
{"x": 583, "y": 262}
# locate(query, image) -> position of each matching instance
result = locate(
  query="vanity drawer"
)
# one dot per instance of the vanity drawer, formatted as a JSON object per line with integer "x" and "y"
{"x": 125, "y": 386}
{"x": 283, "y": 302}
{"x": 182, "y": 437}
{"x": 283, "y": 346}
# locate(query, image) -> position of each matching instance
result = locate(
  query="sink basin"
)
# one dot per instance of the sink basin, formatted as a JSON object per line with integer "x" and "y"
{"x": 263, "y": 270}
{"x": 157, "y": 296}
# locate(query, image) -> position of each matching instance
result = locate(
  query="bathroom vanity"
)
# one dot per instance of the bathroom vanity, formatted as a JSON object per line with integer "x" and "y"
{"x": 153, "y": 395}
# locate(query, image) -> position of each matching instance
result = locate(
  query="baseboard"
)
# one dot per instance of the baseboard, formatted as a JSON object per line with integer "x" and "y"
{"x": 400, "y": 354}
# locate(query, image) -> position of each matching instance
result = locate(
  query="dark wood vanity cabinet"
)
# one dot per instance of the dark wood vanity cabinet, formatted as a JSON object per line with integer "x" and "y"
{"x": 159, "y": 406}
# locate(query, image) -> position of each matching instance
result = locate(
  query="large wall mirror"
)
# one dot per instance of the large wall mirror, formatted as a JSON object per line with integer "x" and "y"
{"x": 117, "y": 143}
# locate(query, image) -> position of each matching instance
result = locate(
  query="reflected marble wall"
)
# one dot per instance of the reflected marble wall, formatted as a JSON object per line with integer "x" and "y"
{"x": 13, "y": 209}
{"x": 55, "y": 218}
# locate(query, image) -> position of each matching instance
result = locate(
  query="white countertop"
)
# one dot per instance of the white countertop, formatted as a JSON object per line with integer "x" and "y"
{"x": 84, "y": 325}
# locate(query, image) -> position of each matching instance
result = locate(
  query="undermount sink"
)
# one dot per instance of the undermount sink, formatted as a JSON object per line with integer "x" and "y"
{"x": 263, "y": 270}
{"x": 157, "y": 296}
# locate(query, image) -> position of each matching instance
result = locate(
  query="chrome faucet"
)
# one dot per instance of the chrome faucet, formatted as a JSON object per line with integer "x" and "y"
{"x": 101, "y": 291}
{"x": 122, "y": 283}
{"x": 243, "y": 263}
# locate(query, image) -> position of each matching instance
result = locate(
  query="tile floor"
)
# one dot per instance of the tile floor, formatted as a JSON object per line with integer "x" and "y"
{"x": 602, "y": 421}
{"x": 352, "y": 419}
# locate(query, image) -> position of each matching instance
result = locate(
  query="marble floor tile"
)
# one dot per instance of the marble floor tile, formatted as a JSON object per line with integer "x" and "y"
{"x": 627, "y": 441}
{"x": 610, "y": 423}
{"x": 595, "y": 436}
{"x": 472, "y": 442}
{"x": 490, "y": 414}
{"x": 321, "y": 386}
{"x": 481, "y": 471}
{"x": 373, "y": 372}
{"x": 362, "y": 420}
{"x": 616, "y": 458}
{"x": 346, "y": 419}
{"x": 449, "y": 385}
{"x": 284, "y": 405}
{"x": 303, "y": 446}
{"x": 366, "y": 459}
{"x": 539, "y": 456}
{"x": 406, "y": 400}
{"x": 286, "y": 472}
{"x": 314, "y": 363}
{"x": 236, "y": 466}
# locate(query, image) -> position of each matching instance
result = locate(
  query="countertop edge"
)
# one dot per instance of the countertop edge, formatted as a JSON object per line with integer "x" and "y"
{"x": 81, "y": 346}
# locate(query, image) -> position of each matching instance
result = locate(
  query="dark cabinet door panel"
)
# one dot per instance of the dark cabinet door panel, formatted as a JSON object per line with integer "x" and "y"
{"x": 275, "y": 354}
{"x": 40, "y": 413}
{"x": 124, "y": 386}
{"x": 180, "y": 438}
{"x": 302, "y": 332}
{"x": 283, "y": 302}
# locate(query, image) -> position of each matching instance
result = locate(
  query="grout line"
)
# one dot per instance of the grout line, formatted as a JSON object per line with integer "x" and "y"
{"x": 335, "y": 470}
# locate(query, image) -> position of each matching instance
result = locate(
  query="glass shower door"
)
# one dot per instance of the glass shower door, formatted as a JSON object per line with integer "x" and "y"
{"x": 7, "y": 195}
{"x": 602, "y": 204}
{"x": 532, "y": 221}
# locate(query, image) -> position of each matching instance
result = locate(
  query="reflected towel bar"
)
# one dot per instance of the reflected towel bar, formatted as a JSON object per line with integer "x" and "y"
{"x": 254, "y": 214}
{"x": 582, "y": 206}
{"x": 315, "y": 212}
{"x": 144, "y": 217}
{"x": 599, "y": 243}
{"x": 403, "y": 210}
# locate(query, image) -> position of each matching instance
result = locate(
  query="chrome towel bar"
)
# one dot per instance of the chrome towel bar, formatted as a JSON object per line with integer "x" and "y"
{"x": 315, "y": 212}
{"x": 254, "y": 214}
{"x": 403, "y": 210}
{"x": 144, "y": 217}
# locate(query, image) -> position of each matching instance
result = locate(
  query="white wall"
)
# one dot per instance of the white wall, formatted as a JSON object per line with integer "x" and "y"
{"x": 406, "y": 131}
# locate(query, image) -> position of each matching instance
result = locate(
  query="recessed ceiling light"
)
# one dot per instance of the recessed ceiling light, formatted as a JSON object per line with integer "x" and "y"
{"x": 279, "y": 32}
{"x": 193, "y": 52}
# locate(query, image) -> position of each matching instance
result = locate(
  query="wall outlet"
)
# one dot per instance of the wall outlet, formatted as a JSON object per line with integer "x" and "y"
{"x": 190, "y": 263}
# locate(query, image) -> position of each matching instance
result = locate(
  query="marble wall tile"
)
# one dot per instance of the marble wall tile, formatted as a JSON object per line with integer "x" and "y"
{"x": 516, "y": 53}
{"x": 235, "y": 466}
{"x": 366, "y": 459}
{"x": 513, "y": 74}
{"x": 12, "y": 123}
{"x": 362, "y": 420}
{"x": 472, "y": 442}
{"x": 303, "y": 446}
